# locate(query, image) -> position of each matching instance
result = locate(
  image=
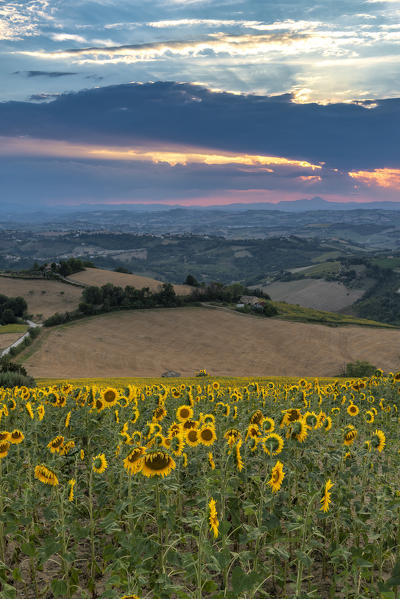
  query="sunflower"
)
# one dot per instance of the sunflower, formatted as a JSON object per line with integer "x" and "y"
{"x": 16, "y": 437}
{"x": 29, "y": 410}
{"x": 211, "y": 460}
{"x": 207, "y": 435}
{"x": 253, "y": 432}
{"x": 215, "y": 385}
{"x": 130, "y": 597}
{"x": 45, "y": 475}
{"x": 350, "y": 436}
{"x": 72, "y": 484}
{"x": 213, "y": 517}
{"x": 175, "y": 393}
{"x": 136, "y": 415}
{"x": 273, "y": 444}
{"x": 188, "y": 424}
{"x": 4, "y": 436}
{"x": 56, "y": 444}
{"x": 369, "y": 416}
{"x": 99, "y": 404}
{"x": 192, "y": 437}
{"x": 232, "y": 436}
{"x": 133, "y": 463}
{"x": 378, "y": 440}
{"x": 277, "y": 476}
{"x": 396, "y": 377}
{"x": 239, "y": 461}
{"x": 99, "y": 463}
{"x": 41, "y": 411}
{"x": 157, "y": 463}
{"x": 184, "y": 413}
{"x": 327, "y": 425}
{"x": 353, "y": 410}
{"x": 159, "y": 413}
{"x": 299, "y": 430}
{"x": 326, "y": 499}
{"x": 177, "y": 444}
{"x": 257, "y": 418}
{"x": 82, "y": 454}
{"x": 311, "y": 419}
{"x": 65, "y": 449}
{"x": 268, "y": 425}
{"x": 4, "y": 447}
{"x": 109, "y": 396}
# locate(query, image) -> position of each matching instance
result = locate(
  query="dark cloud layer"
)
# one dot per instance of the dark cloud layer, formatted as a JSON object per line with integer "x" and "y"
{"x": 348, "y": 136}
{"x": 51, "y": 74}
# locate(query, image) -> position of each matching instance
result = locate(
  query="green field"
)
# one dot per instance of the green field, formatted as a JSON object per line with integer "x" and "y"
{"x": 13, "y": 328}
{"x": 301, "y": 314}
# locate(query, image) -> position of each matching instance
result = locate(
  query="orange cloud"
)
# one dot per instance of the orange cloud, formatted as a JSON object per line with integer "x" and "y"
{"x": 173, "y": 157}
{"x": 381, "y": 177}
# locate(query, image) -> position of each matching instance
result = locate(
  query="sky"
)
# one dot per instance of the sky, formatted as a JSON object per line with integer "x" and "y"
{"x": 198, "y": 102}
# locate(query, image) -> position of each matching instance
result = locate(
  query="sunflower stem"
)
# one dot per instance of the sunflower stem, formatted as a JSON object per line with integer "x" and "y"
{"x": 300, "y": 564}
{"x": 2, "y": 539}
{"x": 91, "y": 518}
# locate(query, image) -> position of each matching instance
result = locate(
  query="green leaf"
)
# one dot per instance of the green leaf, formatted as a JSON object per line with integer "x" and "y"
{"x": 29, "y": 549}
{"x": 59, "y": 588}
{"x": 241, "y": 581}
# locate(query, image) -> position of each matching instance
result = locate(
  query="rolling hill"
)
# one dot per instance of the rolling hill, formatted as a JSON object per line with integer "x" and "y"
{"x": 149, "y": 342}
{"x": 99, "y": 277}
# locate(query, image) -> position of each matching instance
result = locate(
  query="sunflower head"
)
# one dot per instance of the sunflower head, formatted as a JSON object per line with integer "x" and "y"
{"x": 184, "y": 413}
{"x": 56, "y": 445}
{"x": 109, "y": 396}
{"x": 257, "y": 418}
{"x": 207, "y": 435}
{"x": 273, "y": 444}
{"x": 157, "y": 463}
{"x": 193, "y": 437}
{"x": 268, "y": 425}
{"x": 378, "y": 440}
{"x": 159, "y": 413}
{"x": 4, "y": 447}
{"x": 133, "y": 463}
{"x": 99, "y": 463}
{"x": 353, "y": 410}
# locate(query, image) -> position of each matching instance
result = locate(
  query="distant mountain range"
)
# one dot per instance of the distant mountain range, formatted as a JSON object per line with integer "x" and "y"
{"x": 22, "y": 213}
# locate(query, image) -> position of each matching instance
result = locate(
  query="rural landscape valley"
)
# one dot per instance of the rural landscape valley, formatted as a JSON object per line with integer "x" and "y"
{"x": 199, "y": 299}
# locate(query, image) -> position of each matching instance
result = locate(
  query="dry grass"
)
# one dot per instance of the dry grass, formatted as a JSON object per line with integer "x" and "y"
{"x": 43, "y": 297}
{"x": 314, "y": 293}
{"x": 149, "y": 342}
{"x": 7, "y": 339}
{"x": 99, "y": 277}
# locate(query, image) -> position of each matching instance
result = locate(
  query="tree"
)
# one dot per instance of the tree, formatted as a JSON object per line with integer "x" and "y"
{"x": 192, "y": 281}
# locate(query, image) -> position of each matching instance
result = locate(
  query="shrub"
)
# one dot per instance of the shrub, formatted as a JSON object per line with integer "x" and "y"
{"x": 15, "y": 379}
{"x": 269, "y": 309}
{"x": 359, "y": 369}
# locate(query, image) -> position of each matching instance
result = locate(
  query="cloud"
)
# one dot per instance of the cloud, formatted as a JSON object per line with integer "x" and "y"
{"x": 64, "y": 37}
{"x": 260, "y": 47}
{"x": 43, "y": 97}
{"x": 349, "y": 136}
{"x": 381, "y": 177}
{"x": 20, "y": 19}
{"x": 51, "y": 74}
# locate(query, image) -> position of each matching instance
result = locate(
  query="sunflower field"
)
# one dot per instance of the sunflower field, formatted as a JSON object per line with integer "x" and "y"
{"x": 201, "y": 489}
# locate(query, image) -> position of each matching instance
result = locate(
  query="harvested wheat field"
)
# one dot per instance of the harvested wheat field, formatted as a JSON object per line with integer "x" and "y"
{"x": 7, "y": 339}
{"x": 44, "y": 298}
{"x": 99, "y": 277}
{"x": 314, "y": 293}
{"x": 149, "y": 342}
